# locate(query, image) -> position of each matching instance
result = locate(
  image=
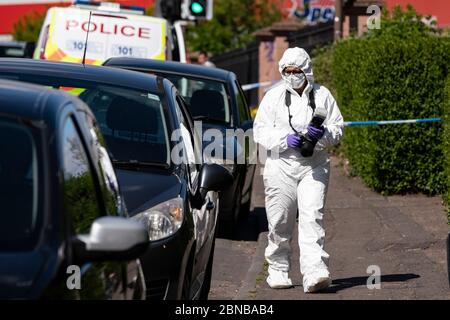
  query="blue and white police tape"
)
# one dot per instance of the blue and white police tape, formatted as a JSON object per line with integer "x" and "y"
{"x": 380, "y": 123}
{"x": 251, "y": 86}
{"x": 271, "y": 84}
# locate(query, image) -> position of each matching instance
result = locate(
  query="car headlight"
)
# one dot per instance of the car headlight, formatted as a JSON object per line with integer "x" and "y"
{"x": 162, "y": 220}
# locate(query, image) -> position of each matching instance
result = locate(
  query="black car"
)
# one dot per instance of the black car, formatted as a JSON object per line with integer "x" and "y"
{"x": 140, "y": 116}
{"x": 16, "y": 49}
{"x": 213, "y": 96}
{"x": 64, "y": 232}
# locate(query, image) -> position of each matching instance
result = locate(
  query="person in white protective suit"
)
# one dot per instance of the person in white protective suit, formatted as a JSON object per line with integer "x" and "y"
{"x": 292, "y": 181}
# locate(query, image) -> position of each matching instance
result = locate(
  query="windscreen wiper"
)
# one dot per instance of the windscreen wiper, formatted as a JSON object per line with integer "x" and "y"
{"x": 137, "y": 164}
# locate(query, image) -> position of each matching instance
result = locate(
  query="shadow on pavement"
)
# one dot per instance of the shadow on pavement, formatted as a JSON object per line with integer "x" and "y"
{"x": 341, "y": 284}
{"x": 248, "y": 228}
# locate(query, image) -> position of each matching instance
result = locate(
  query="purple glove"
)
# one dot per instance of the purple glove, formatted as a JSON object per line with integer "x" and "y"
{"x": 293, "y": 140}
{"x": 316, "y": 133}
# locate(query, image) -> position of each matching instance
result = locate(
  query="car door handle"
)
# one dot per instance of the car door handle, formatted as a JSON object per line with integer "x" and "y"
{"x": 210, "y": 205}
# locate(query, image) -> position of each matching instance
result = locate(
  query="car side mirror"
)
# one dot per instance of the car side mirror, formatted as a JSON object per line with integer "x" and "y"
{"x": 111, "y": 239}
{"x": 213, "y": 177}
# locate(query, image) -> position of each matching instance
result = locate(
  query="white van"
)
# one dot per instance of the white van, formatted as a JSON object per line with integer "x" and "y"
{"x": 114, "y": 31}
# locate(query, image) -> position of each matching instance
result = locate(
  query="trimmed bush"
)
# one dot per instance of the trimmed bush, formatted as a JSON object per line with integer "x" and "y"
{"x": 322, "y": 67}
{"x": 397, "y": 72}
{"x": 446, "y": 142}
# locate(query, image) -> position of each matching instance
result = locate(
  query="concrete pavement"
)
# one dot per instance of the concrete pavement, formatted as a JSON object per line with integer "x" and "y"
{"x": 403, "y": 236}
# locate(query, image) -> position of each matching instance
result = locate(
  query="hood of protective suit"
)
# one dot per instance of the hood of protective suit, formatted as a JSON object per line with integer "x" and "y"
{"x": 298, "y": 57}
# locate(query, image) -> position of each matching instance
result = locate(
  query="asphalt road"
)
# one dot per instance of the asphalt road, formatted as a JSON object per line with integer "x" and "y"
{"x": 402, "y": 236}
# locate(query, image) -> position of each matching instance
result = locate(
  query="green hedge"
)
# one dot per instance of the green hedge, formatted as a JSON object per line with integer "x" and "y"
{"x": 397, "y": 72}
{"x": 322, "y": 66}
{"x": 446, "y": 142}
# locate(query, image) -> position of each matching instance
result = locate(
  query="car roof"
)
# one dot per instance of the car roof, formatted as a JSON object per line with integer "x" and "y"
{"x": 89, "y": 73}
{"x": 24, "y": 100}
{"x": 171, "y": 67}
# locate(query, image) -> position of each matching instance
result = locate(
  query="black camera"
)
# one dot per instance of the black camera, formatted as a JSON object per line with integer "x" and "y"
{"x": 307, "y": 142}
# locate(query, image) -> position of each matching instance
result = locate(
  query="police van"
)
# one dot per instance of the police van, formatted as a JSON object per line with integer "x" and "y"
{"x": 111, "y": 30}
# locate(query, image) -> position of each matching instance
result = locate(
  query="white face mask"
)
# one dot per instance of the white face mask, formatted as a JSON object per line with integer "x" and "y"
{"x": 295, "y": 81}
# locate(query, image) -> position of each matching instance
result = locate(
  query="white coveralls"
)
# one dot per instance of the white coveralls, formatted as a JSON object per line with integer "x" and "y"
{"x": 292, "y": 181}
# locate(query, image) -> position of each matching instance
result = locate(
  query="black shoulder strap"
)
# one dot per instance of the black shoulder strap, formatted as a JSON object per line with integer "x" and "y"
{"x": 287, "y": 98}
{"x": 312, "y": 102}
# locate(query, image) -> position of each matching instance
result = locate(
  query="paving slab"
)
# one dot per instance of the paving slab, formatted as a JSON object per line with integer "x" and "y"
{"x": 403, "y": 236}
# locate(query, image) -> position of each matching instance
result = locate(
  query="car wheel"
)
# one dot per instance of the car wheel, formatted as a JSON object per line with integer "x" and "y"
{"x": 245, "y": 207}
{"x": 206, "y": 286}
{"x": 185, "y": 295}
{"x": 228, "y": 226}
{"x": 186, "y": 289}
{"x": 245, "y": 211}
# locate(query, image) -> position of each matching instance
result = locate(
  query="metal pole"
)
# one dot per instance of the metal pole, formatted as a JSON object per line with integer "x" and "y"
{"x": 158, "y": 12}
{"x": 338, "y": 19}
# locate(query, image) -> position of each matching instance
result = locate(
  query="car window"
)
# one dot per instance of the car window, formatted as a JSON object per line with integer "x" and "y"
{"x": 108, "y": 179}
{"x": 244, "y": 114}
{"x": 196, "y": 136}
{"x": 132, "y": 123}
{"x": 188, "y": 141}
{"x": 204, "y": 98}
{"x": 80, "y": 196}
{"x": 18, "y": 186}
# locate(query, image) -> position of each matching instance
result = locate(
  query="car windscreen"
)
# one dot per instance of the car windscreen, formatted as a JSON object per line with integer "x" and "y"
{"x": 206, "y": 99}
{"x": 18, "y": 186}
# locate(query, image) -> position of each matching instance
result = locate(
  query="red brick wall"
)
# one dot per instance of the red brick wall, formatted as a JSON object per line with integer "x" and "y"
{"x": 269, "y": 55}
{"x": 438, "y": 8}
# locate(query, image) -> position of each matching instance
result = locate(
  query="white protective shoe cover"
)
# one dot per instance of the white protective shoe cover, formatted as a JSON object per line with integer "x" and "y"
{"x": 317, "y": 282}
{"x": 278, "y": 279}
